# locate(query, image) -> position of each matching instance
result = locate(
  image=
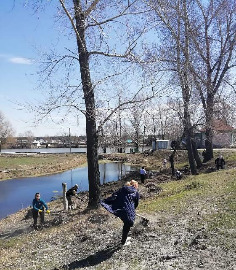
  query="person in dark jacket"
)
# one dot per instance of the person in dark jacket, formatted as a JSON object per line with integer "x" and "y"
{"x": 38, "y": 208}
{"x": 178, "y": 174}
{"x": 220, "y": 162}
{"x": 122, "y": 204}
{"x": 70, "y": 193}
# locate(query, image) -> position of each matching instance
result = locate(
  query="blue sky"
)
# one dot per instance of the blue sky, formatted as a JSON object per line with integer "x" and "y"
{"x": 22, "y": 32}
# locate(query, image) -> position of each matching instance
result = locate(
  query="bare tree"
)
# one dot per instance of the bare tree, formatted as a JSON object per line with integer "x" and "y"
{"x": 200, "y": 37}
{"x": 213, "y": 37}
{"x": 29, "y": 137}
{"x": 225, "y": 109}
{"x": 6, "y": 130}
{"x": 136, "y": 118}
{"x": 175, "y": 53}
{"x": 164, "y": 119}
{"x": 94, "y": 25}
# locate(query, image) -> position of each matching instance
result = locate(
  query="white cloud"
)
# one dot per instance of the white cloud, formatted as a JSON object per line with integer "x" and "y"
{"x": 21, "y": 60}
{"x": 16, "y": 60}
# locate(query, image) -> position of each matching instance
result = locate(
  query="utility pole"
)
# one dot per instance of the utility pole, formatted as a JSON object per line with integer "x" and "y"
{"x": 65, "y": 202}
{"x": 154, "y": 133}
{"x": 144, "y": 128}
{"x": 120, "y": 127}
{"x": 69, "y": 140}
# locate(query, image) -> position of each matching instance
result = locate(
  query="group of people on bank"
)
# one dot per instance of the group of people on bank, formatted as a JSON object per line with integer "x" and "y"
{"x": 121, "y": 203}
{"x": 40, "y": 206}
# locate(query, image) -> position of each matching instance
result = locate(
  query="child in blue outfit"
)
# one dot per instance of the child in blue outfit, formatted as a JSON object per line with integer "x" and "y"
{"x": 38, "y": 208}
{"x": 122, "y": 204}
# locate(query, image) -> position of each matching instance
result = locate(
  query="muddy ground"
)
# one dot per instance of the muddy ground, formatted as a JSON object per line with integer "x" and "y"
{"x": 83, "y": 239}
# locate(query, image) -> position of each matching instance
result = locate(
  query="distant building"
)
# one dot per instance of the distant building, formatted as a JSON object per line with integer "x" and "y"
{"x": 47, "y": 142}
{"x": 224, "y": 135}
{"x": 160, "y": 144}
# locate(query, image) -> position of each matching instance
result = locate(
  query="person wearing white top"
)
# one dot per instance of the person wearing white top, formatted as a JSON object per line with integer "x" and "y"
{"x": 142, "y": 174}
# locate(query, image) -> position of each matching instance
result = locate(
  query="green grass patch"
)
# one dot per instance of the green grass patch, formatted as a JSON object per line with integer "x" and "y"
{"x": 224, "y": 218}
{"x": 205, "y": 201}
{"x": 11, "y": 242}
{"x": 177, "y": 195}
{"x": 17, "y": 162}
{"x": 228, "y": 155}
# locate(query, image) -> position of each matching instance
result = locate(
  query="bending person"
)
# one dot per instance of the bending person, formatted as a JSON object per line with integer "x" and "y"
{"x": 220, "y": 162}
{"x": 70, "y": 193}
{"x": 122, "y": 204}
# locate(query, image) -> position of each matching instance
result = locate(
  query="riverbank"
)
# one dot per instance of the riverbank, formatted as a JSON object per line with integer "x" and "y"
{"x": 29, "y": 165}
{"x": 191, "y": 226}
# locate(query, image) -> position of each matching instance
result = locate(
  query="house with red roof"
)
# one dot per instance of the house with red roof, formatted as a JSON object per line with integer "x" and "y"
{"x": 224, "y": 135}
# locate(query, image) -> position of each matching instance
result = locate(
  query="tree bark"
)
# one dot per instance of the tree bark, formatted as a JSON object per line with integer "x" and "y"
{"x": 209, "y": 128}
{"x": 91, "y": 130}
{"x": 208, "y": 144}
{"x": 183, "y": 70}
{"x": 191, "y": 159}
{"x": 188, "y": 133}
{"x": 196, "y": 154}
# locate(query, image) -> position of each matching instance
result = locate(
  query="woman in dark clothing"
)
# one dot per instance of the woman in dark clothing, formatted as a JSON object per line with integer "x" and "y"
{"x": 38, "y": 208}
{"x": 122, "y": 204}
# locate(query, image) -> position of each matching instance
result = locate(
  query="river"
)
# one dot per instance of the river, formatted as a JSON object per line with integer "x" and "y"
{"x": 16, "y": 194}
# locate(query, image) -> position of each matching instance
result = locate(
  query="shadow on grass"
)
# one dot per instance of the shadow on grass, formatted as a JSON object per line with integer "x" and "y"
{"x": 94, "y": 259}
{"x": 18, "y": 232}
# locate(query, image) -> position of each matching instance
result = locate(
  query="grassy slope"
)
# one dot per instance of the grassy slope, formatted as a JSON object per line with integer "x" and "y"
{"x": 209, "y": 197}
{"x": 205, "y": 200}
{"x": 19, "y": 161}
{"x": 212, "y": 197}
{"x": 17, "y": 166}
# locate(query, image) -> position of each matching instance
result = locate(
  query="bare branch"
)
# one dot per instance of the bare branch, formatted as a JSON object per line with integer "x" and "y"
{"x": 121, "y": 105}
{"x": 91, "y": 8}
{"x": 72, "y": 22}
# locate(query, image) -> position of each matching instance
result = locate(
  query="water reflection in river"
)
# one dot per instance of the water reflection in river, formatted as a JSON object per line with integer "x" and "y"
{"x": 16, "y": 194}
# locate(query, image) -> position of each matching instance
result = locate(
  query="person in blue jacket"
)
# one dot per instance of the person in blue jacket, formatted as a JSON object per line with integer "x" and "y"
{"x": 122, "y": 204}
{"x": 38, "y": 208}
{"x": 143, "y": 174}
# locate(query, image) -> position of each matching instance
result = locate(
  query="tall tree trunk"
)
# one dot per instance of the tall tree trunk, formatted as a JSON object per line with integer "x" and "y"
{"x": 196, "y": 154}
{"x": 209, "y": 128}
{"x": 92, "y": 159}
{"x": 208, "y": 144}
{"x": 191, "y": 159}
{"x": 188, "y": 134}
{"x": 183, "y": 71}
{"x": 91, "y": 130}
